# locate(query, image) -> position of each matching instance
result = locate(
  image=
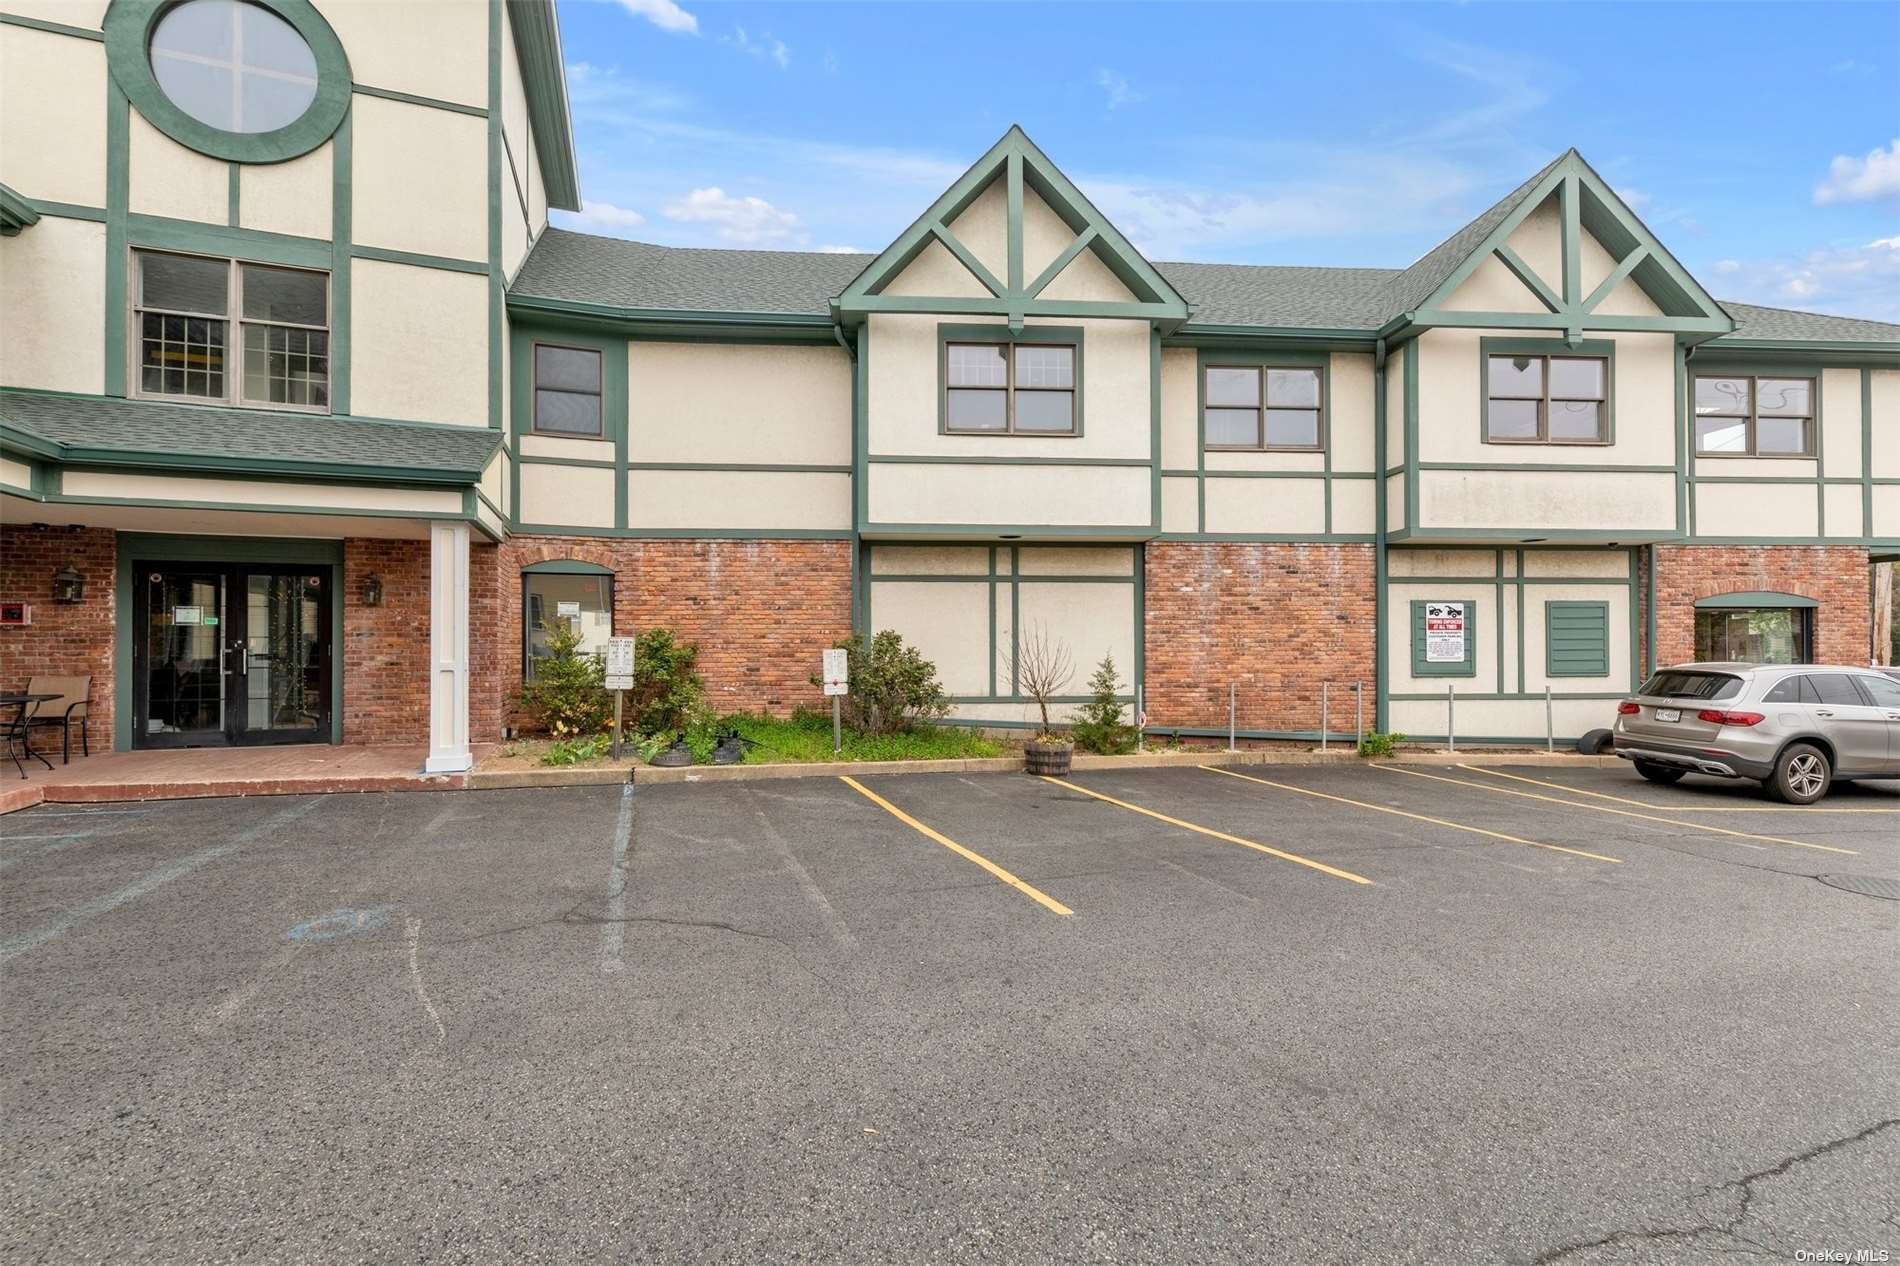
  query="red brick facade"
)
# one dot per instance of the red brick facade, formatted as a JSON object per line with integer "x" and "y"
{"x": 64, "y": 640}
{"x": 760, "y": 610}
{"x": 1835, "y": 576}
{"x": 1274, "y": 619}
{"x": 386, "y": 648}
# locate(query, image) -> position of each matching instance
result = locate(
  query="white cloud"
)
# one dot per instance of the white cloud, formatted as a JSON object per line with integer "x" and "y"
{"x": 603, "y": 217}
{"x": 1513, "y": 87}
{"x": 767, "y": 47}
{"x": 841, "y": 250}
{"x": 1861, "y": 281}
{"x": 664, "y": 14}
{"x": 1875, "y": 178}
{"x": 1634, "y": 199}
{"x": 1117, "y": 87}
{"x": 744, "y": 221}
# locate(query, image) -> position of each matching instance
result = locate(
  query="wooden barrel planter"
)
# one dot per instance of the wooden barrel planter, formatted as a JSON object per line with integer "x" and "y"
{"x": 1051, "y": 759}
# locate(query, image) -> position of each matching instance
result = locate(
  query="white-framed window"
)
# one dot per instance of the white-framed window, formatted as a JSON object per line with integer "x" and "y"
{"x": 184, "y": 308}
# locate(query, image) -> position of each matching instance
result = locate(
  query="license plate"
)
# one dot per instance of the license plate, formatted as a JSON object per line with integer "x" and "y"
{"x": 1669, "y": 714}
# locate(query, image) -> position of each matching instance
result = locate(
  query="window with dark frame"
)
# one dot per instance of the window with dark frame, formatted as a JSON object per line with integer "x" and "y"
{"x": 1009, "y": 388}
{"x": 585, "y": 602}
{"x": 1750, "y": 415}
{"x": 1262, "y": 407}
{"x": 567, "y": 390}
{"x": 1757, "y": 635}
{"x": 1538, "y": 399}
{"x": 183, "y": 308}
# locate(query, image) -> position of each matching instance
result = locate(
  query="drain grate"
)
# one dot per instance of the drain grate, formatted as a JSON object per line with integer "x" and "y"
{"x": 1865, "y": 885}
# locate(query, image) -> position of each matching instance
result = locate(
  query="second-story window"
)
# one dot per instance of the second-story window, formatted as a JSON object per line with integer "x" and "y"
{"x": 1546, "y": 399}
{"x": 183, "y": 313}
{"x": 1009, "y": 388}
{"x": 1262, "y": 407}
{"x": 1743, "y": 416}
{"x": 566, "y": 391}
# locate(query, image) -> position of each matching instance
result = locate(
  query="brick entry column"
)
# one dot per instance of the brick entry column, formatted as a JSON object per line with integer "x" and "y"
{"x": 449, "y": 751}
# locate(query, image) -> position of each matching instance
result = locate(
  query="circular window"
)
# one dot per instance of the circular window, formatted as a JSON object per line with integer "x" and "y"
{"x": 249, "y": 80}
{"x": 233, "y": 65}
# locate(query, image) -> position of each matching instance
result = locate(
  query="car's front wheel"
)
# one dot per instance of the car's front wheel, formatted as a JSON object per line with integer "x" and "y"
{"x": 1664, "y": 774}
{"x": 1802, "y": 775}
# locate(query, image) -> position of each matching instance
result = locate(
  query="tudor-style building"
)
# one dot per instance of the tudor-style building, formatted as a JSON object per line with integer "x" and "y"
{"x": 328, "y": 453}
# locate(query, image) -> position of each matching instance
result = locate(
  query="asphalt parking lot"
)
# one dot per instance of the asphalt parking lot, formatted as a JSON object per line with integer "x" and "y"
{"x": 1358, "y": 1014}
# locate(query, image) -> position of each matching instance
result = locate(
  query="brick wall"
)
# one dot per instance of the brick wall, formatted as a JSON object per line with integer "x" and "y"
{"x": 760, "y": 610}
{"x": 1835, "y": 576}
{"x": 1275, "y": 619}
{"x": 386, "y": 648}
{"x": 63, "y": 640}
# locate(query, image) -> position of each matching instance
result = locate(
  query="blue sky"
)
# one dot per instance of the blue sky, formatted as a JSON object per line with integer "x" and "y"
{"x": 1760, "y": 142}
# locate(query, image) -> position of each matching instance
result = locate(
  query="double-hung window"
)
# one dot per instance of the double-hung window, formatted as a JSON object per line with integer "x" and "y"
{"x": 1743, "y": 415}
{"x": 184, "y": 308}
{"x": 1262, "y": 407}
{"x": 1009, "y": 388}
{"x": 1531, "y": 398}
{"x": 566, "y": 391}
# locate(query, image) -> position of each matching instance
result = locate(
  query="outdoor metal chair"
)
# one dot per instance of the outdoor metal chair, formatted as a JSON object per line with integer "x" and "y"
{"x": 71, "y": 704}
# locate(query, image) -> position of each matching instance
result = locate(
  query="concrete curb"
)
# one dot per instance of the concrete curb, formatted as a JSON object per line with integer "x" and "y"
{"x": 498, "y": 779}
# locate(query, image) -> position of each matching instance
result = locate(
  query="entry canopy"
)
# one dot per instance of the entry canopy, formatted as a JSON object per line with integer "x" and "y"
{"x": 1752, "y": 598}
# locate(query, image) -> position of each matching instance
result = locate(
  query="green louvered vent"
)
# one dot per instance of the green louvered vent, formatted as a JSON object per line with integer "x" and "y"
{"x": 1577, "y": 639}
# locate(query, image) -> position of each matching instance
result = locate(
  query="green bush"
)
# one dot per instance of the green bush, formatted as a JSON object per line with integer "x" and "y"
{"x": 666, "y": 689}
{"x": 565, "y": 696}
{"x": 578, "y": 751}
{"x": 1098, "y": 725}
{"x": 1376, "y": 745}
{"x": 702, "y": 734}
{"x": 892, "y": 686}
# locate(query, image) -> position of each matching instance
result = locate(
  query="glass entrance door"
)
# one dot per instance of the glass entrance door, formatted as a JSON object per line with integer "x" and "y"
{"x": 231, "y": 655}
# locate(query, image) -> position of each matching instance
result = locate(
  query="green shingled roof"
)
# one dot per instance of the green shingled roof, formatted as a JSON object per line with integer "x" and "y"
{"x": 196, "y": 437}
{"x": 1755, "y": 322}
{"x": 1411, "y": 287}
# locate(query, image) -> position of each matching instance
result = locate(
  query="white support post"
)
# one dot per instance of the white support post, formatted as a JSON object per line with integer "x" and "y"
{"x": 448, "y": 650}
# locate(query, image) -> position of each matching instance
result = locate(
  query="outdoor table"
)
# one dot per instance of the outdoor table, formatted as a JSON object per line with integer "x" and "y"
{"x": 14, "y": 727}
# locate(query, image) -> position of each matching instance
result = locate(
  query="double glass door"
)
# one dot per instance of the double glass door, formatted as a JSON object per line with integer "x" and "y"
{"x": 231, "y": 654}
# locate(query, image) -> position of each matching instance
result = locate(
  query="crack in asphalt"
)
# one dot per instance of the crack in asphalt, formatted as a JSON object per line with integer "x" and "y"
{"x": 1745, "y": 1185}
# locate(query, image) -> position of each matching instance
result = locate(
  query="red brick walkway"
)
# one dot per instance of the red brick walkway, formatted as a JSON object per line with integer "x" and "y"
{"x": 241, "y": 771}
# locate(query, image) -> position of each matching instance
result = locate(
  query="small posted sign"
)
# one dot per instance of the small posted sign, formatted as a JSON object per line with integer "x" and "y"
{"x": 1444, "y": 632}
{"x": 837, "y": 673}
{"x": 619, "y": 667}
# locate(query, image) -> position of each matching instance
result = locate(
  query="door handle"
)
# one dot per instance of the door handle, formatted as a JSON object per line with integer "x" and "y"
{"x": 1820, "y": 712}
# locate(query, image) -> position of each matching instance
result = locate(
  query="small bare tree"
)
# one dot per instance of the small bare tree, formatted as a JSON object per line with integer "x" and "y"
{"x": 1042, "y": 666}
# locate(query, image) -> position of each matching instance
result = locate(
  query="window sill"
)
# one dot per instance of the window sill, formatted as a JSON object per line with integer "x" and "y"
{"x": 1264, "y": 448}
{"x": 1761, "y": 457}
{"x": 1014, "y": 435}
{"x": 206, "y": 402}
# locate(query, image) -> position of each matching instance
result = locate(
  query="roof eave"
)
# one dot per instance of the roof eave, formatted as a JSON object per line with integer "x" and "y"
{"x": 537, "y": 32}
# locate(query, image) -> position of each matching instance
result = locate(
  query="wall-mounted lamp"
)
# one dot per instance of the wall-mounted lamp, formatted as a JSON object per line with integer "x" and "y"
{"x": 372, "y": 590}
{"x": 68, "y": 585}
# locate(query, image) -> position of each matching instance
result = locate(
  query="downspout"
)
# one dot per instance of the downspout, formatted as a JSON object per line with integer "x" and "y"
{"x": 1379, "y": 684}
{"x": 857, "y": 580}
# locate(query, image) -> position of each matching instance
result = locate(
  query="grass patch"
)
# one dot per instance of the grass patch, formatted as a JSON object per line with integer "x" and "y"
{"x": 806, "y": 736}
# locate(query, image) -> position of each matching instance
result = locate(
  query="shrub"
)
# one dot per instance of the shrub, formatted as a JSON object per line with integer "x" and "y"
{"x": 1376, "y": 745}
{"x": 577, "y": 751}
{"x": 565, "y": 696}
{"x": 892, "y": 686}
{"x": 1042, "y": 667}
{"x": 1098, "y": 725}
{"x": 666, "y": 689}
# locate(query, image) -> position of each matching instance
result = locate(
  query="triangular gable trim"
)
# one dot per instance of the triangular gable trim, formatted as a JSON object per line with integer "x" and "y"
{"x": 1021, "y": 165}
{"x": 1586, "y": 202}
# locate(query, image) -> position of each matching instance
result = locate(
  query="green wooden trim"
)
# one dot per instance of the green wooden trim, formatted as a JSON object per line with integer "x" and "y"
{"x": 1381, "y": 600}
{"x": 1615, "y": 278}
{"x": 231, "y": 218}
{"x": 1684, "y": 468}
{"x": 1816, "y": 353}
{"x": 1577, "y": 639}
{"x": 1553, "y": 468}
{"x": 1528, "y": 276}
{"x": 1320, "y": 473}
{"x": 410, "y": 98}
{"x": 566, "y": 567}
{"x": 161, "y": 547}
{"x": 64, "y": 210}
{"x": 342, "y": 231}
{"x": 128, "y": 32}
{"x": 1753, "y": 598}
{"x": 537, "y": 32}
{"x": 1420, "y": 667}
{"x": 1578, "y": 349}
{"x": 1572, "y": 241}
{"x": 51, "y": 28}
{"x": 679, "y": 534}
{"x": 1154, "y": 428}
{"x": 860, "y": 434}
{"x": 1083, "y": 240}
{"x": 1515, "y": 696}
{"x": 1033, "y": 533}
{"x": 155, "y": 232}
{"x": 1532, "y": 535}
{"x": 1636, "y": 672}
{"x": 1866, "y": 452}
{"x": 496, "y": 283}
{"x": 118, "y": 260}
{"x": 1648, "y": 662}
{"x": 949, "y": 332}
{"x": 1287, "y": 538}
{"x": 776, "y": 468}
{"x": 613, "y": 416}
{"x": 595, "y": 463}
{"x": 960, "y": 459}
{"x": 969, "y": 261}
{"x": 1410, "y": 366}
{"x": 1558, "y": 321}
{"x": 415, "y": 260}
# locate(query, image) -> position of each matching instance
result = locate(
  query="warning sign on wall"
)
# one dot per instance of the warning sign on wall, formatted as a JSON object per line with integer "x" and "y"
{"x": 1445, "y": 632}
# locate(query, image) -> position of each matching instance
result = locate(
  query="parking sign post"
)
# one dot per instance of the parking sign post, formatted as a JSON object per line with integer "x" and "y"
{"x": 837, "y": 682}
{"x": 619, "y": 679}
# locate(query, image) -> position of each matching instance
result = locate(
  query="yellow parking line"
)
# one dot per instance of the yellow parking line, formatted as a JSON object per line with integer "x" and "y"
{"x": 1028, "y": 890}
{"x": 1322, "y": 867}
{"x": 1603, "y": 808}
{"x": 1670, "y": 808}
{"x": 1418, "y": 817}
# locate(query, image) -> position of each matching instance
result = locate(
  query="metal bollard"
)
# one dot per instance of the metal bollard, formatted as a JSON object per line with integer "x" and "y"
{"x": 1550, "y": 725}
{"x": 1141, "y": 731}
{"x": 1451, "y": 718}
{"x": 1325, "y": 723}
{"x": 1358, "y": 714}
{"x": 1230, "y": 718}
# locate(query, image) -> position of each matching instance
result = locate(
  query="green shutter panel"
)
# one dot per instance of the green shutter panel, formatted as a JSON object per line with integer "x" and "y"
{"x": 1577, "y": 639}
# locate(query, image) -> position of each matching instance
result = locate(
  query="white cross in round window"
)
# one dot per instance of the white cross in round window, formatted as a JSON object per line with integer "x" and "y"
{"x": 233, "y": 65}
